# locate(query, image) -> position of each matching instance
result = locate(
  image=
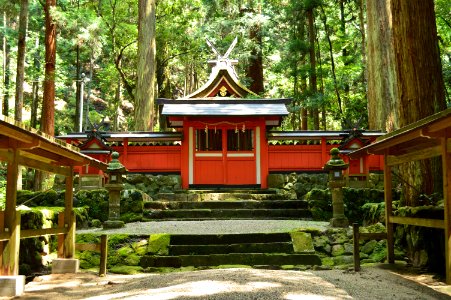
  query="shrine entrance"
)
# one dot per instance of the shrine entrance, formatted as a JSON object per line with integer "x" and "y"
{"x": 225, "y": 154}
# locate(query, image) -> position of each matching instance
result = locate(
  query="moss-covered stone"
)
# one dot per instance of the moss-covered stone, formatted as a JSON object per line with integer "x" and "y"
{"x": 140, "y": 247}
{"x": 125, "y": 251}
{"x": 159, "y": 244}
{"x": 380, "y": 252}
{"x": 88, "y": 259}
{"x": 343, "y": 260}
{"x": 132, "y": 259}
{"x": 327, "y": 261}
{"x": 302, "y": 242}
{"x": 369, "y": 247}
{"x": 338, "y": 250}
{"x": 127, "y": 270}
{"x": 276, "y": 181}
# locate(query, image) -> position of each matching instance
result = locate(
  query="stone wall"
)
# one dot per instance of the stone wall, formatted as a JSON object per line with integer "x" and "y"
{"x": 335, "y": 246}
{"x": 153, "y": 184}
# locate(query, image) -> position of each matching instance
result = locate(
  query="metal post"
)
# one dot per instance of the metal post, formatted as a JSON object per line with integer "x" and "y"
{"x": 82, "y": 86}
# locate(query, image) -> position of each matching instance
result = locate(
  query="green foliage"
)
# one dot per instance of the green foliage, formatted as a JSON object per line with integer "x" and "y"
{"x": 95, "y": 201}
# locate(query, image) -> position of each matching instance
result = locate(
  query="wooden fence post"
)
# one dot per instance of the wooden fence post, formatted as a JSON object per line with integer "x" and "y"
{"x": 355, "y": 231}
{"x": 103, "y": 254}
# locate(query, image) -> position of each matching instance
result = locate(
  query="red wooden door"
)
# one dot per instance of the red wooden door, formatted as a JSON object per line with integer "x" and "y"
{"x": 224, "y": 156}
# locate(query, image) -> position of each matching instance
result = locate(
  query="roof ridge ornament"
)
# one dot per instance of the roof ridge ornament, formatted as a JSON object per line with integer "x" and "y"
{"x": 226, "y": 55}
{"x": 223, "y": 62}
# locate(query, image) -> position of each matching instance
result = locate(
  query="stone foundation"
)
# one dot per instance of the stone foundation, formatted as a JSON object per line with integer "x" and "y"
{"x": 12, "y": 286}
{"x": 65, "y": 265}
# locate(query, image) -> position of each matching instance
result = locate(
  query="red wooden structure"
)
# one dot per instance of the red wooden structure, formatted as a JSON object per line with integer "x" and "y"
{"x": 222, "y": 137}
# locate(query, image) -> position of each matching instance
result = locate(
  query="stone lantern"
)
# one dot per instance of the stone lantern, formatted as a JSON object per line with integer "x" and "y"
{"x": 336, "y": 166}
{"x": 114, "y": 187}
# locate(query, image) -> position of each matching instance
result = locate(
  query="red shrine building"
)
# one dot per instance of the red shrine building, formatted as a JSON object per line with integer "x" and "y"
{"x": 222, "y": 136}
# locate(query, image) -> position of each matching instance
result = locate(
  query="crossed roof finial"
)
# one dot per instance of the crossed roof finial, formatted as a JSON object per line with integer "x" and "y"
{"x": 226, "y": 55}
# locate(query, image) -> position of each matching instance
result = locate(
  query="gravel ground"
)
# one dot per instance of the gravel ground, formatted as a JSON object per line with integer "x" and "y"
{"x": 377, "y": 282}
{"x": 210, "y": 227}
{"x": 240, "y": 283}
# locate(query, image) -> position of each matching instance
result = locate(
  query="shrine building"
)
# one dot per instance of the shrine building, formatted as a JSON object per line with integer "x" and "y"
{"x": 222, "y": 136}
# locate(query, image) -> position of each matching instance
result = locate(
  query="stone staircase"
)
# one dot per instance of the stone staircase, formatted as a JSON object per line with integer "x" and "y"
{"x": 223, "y": 205}
{"x": 257, "y": 250}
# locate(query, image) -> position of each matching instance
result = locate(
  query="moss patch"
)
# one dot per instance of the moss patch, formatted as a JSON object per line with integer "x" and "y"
{"x": 159, "y": 244}
{"x": 128, "y": 270}
{"x": 302, "y": 242}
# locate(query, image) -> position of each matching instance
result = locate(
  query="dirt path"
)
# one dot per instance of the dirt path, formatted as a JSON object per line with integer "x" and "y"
{"x": 240, "y": 283}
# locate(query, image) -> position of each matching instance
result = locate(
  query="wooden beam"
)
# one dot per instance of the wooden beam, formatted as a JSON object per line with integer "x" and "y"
{"x": 380, "y": 147}
{"x": 393, "y": 160}
{"x": 10, "y": 257}
{"x": 432, "y": 223}
{"x": 389, "y": 211}
{"x": 64, "y": 152}
{"x": 69, "y": 218}
{"x": 42, "y": 155}
{"x": 6, "y": 155}
{"x": 10, "y": 131}
{"x": 29, "y": 233}
{"x": 39, "y": 165}
{"x": 88, "y": 247}
{"x": 446, "y": 167}
{"x": 373, "y": 236}
{"x": 439, "y": 125}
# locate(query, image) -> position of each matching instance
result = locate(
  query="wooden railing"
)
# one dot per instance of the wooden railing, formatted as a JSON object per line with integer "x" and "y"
{"x": 363, "y": 236}
{"x": 102, "y": 247}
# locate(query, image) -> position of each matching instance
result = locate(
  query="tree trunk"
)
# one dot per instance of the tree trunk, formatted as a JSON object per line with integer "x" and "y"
{"x": 6, "y": 66}
{"x": 382, "y": 93}
{"x": 313, "y": 77}
{"x": 363, "y": 43}
{"x": 21, "y": 48}
{"x": 404, "y": 71}
{"x": 255, "y": 69}
{"x": 420, "y": 83}
{"x": 332, "y": 62}
{"x": 35, "y": 102}
{"x": 48, "y": 103}
{"x": 145, "y": 87}
{"x": 77, "y": 82}
{"x": 77, "y": 90}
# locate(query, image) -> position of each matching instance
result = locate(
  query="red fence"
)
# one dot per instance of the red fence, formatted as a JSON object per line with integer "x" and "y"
{"x": 150, "y": 158}
{"x": 298, "y": 157}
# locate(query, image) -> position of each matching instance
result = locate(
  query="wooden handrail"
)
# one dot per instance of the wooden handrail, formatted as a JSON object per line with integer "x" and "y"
{"x": 29, "y": 233}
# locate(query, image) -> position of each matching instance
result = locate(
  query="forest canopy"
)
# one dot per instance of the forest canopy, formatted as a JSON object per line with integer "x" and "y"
{"x": 313, "y": 51}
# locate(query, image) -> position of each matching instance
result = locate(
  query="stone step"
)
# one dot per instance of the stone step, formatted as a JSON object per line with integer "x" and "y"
{"x": 227, "y": 239}
{"x": 219, "y": 214}
{"x": 240, "y": 204}
{"x": 215, "y": 196}
{"x": 279, "y": 247}
{"x": 251, "y": 259}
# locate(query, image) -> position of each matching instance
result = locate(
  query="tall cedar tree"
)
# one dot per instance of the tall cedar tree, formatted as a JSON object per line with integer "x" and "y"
{"x": 405, "y": 82}
{"x": 145, "y": 84}
{"x": 48, "y": 102}
{"x": 21, "y": 45}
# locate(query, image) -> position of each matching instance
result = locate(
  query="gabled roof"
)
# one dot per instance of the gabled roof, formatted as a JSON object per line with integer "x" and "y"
{"x": 38, "y": 150}
{"x": 419, "y": 140}
{"x": 222, "y": 84}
